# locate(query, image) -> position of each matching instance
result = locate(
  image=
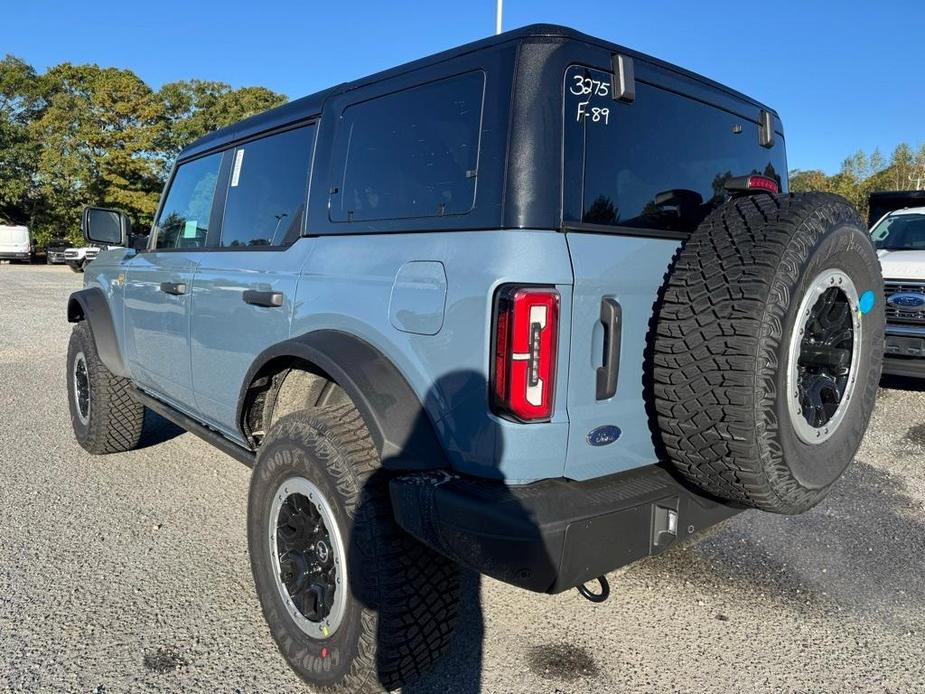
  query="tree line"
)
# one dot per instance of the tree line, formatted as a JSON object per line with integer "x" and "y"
{"x": 862, "y": 174}
{"x": 81, "y": 134}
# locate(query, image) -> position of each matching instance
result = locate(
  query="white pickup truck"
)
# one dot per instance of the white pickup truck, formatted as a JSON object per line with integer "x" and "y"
{"x": 900, "y": 240}
{"x": 78, "y": 258}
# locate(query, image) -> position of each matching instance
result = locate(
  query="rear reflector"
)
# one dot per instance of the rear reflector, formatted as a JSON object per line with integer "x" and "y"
{"x": 524, "y": 359}
{"x": 752, "y": 184}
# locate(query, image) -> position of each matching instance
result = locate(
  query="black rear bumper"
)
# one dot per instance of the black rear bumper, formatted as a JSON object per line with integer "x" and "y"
{"x": 555, "y": 534}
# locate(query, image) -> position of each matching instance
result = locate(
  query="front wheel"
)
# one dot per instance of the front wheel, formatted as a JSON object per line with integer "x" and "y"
{"x": 352, "y": 601}
{"x": 105, "y": 415}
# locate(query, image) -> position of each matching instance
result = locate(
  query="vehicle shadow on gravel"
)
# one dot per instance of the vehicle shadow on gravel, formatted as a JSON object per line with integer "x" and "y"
{"x": 861, "y": 550}
{"x": 157, "y": 430}
{"x": 902, "y": 383}
{"x": 459, "y": 670}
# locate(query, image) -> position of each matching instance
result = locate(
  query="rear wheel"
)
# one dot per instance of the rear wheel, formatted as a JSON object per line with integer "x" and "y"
{"x": 104, "y": 414}
{"x": 768, "y": 348}
{"x": 352, "y": 601}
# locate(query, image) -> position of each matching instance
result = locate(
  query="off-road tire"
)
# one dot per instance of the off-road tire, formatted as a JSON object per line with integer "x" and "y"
{"x": 402, "y": 605}
{"x": 721, "y": 348}
{"x": 115, "y": 420}
{"x": 76, "y": 268}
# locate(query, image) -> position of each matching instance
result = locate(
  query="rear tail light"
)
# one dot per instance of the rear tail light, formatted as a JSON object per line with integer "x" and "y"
{"x": 524, "y": 359}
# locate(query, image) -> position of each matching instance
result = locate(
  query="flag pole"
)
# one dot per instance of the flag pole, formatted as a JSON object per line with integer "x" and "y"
{"x": 498, "y": 16}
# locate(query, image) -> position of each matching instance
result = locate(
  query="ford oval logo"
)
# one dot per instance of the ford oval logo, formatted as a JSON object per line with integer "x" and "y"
{"x": 907, "y": 301}
{"x": 604, "y": 435}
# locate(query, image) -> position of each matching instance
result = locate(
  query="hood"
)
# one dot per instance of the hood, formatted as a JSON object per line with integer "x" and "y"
{"x": 902, "y": 265}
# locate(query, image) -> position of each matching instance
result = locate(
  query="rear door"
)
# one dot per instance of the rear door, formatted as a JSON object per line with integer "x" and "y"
{"x": 158, "y": 283}
{"x": 639, "y": 177}
{"x": 245, "y": 284}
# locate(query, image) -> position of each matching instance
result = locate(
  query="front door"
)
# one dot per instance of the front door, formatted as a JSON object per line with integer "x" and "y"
{"x": 159, "y": 281}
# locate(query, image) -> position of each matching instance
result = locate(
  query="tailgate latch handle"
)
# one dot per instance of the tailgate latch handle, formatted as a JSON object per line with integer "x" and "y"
{"x": 612, "y": 320}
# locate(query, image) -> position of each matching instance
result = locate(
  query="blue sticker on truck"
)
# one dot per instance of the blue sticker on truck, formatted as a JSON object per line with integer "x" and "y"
{"x": 867, "y": 301}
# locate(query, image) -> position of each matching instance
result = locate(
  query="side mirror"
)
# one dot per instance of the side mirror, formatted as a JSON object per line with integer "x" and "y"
{"x": 104, "y": 226}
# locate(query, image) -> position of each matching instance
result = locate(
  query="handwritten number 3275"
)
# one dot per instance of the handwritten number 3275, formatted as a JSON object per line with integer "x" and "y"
{"x": 585, "y": 85}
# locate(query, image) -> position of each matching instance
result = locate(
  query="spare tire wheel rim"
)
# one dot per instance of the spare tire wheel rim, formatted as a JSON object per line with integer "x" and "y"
{"x": 825, "y": 352}
{"x": 308, "y": 557}
{"x": 81, "y": 376}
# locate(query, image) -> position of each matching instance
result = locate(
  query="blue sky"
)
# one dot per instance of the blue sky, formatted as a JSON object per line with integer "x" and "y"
{"x": 843, "y": 75}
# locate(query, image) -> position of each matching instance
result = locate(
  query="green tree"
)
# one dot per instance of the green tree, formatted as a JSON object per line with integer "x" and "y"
{"x": 18, "y": 151}
{"x": 84, "y": 134}
{"x": 196, "y": 107}
{"x": 97, "y": 130}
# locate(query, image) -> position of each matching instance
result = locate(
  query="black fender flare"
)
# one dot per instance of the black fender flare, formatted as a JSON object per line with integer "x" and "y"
{"x": 400, "y": 427}
{"x": 90, "y": 305}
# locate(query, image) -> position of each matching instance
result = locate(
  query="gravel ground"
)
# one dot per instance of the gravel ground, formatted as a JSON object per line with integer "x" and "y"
{"x": 130, "y": 572}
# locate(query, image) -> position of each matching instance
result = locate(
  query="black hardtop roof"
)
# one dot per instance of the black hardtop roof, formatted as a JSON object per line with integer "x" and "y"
{"x": 311, "y": 105}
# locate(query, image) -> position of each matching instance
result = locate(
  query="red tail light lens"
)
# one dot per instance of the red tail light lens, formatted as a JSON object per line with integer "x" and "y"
{"x": 763, "y": 183}
{"x": 524, "y": 362}
{"x": 753, "y": 183}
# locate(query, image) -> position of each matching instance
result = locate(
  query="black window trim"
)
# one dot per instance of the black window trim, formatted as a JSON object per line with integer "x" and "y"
{"x": 217, "y": 214}
{"x": 337, "y": 142}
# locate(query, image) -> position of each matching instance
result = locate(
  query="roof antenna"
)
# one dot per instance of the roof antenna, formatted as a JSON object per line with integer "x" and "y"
{"x": 498, "y": 5}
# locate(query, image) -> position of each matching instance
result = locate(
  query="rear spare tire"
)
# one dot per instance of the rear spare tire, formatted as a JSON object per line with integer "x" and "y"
{"x": 767, "y": 349}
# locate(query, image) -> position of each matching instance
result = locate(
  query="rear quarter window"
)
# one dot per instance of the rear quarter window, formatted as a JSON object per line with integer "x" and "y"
{"x": 412, "y": 153}
{"x": 659, "y": 162}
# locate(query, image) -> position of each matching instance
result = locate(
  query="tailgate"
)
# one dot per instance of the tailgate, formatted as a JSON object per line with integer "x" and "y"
{"x": 622, "y": 273}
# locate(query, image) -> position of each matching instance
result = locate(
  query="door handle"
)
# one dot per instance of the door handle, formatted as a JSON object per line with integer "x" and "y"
{"x": 612, "y": 320}
{"x": 258, "y": 298}
{"x": 175, "y": 288}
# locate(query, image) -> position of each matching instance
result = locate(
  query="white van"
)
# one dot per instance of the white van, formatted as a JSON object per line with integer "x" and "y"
{"x": 15, "y": 243}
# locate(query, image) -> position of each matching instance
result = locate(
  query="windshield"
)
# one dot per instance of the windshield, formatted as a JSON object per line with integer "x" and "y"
{"x": 900, "y": 232}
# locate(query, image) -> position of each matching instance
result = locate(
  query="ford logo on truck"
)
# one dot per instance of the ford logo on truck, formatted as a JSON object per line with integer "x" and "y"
{"x": 908, "y": 301}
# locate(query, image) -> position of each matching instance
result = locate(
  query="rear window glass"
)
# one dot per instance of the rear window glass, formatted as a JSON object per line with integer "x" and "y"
{"x": 412, "y": 153}
{"x": 659, "y": 162}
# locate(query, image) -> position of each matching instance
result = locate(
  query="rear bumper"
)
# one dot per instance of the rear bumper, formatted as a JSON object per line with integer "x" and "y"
{"x": 905, "y": 351}
{"x": 555, "y": 534}
{"x": 15, "y": 256}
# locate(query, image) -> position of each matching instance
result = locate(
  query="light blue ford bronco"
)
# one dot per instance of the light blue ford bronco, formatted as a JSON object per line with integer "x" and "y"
{"x": 538, "y": 306}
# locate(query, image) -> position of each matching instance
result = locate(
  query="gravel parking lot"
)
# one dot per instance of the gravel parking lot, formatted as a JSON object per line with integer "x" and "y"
{"x": 130, "y": 572}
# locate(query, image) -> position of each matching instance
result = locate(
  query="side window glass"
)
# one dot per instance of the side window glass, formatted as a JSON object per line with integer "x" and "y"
{"x": 413, "y": 153}
{"x": 184, "y": 218}
{"x": 268, "y": 189}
